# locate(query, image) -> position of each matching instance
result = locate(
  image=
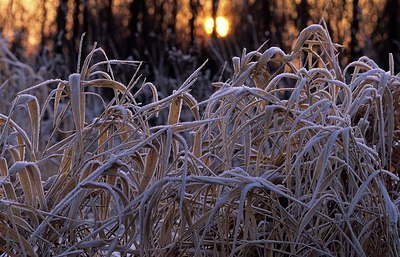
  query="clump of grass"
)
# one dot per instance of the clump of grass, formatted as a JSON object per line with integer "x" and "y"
{"x": 294, "y": 156}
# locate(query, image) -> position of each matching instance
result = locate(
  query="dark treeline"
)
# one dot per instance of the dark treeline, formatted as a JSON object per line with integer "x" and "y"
{"x": 168, "y": 34}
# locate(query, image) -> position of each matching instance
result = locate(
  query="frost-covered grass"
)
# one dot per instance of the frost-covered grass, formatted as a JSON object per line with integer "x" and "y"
{"x": 293, "y": 156}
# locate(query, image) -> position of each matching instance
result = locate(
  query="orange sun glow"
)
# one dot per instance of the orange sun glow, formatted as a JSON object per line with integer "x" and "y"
{"x": 222, "y": 27}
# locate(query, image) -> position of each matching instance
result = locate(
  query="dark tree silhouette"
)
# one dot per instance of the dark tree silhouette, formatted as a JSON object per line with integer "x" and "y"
{"x": 215, "y": 4}
{"x": 76, "y": 25}
{"x": 303, "y": 15}
{"x": 138, "y": 18}
{"x": 265, "y": 22}
{"x": 387, "y": 34}
{"x": 61, "y": 21}
{"x": 174, "y": 14}
{"x": 194, "y": 5}
{"x": 86, "y": 19}
{"x": 43, "y": 36}
{"x": 354, "y": 52}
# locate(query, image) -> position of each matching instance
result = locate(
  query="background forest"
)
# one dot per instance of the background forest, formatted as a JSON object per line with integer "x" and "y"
{"x": 169, "y": 35}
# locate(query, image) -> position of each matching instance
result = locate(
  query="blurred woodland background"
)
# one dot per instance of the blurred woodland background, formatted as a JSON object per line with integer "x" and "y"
{"x": 170, "y": 35}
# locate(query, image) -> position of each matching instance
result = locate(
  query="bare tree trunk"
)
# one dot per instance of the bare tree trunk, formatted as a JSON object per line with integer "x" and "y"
{"x": 61, "y": 21}
{"x": 42, "y": 32}
{"x": 393, "y": 10}
{"x": 354, "y": 52}
{"x": 214, "y": 16}
{"x": 389, "y": 34}
{"x": 110, "y": 18}
{"x": 139, "y": 19}
{"x": 303, "y": 14}
{"x": 194, "y": 10}
{"x": 160, "y": 16}
{"x": 86, "y": 20}
{"x": 174, "y": 14}
{"x": 76, "y": 24}
{"x": 265, "y": 22}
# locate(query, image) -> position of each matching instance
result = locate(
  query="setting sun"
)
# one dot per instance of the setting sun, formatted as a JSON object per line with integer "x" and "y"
{"x": 209, "y": 25}
{"x": 222, "y": 27}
